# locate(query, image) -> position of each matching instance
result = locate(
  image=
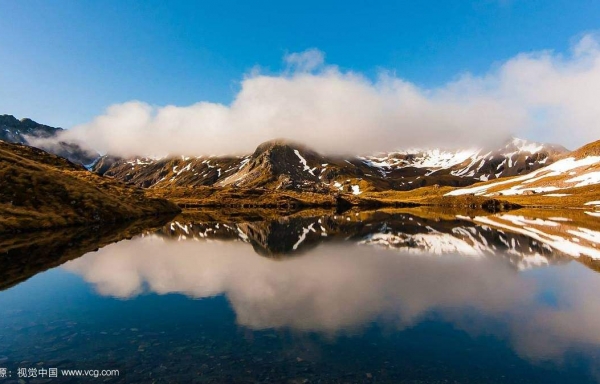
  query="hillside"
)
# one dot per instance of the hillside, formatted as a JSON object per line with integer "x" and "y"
{"x": 41, "y": 190}
{"x": 284, "y": 165}
{"x": 27, "y": 131}
{"x": 573, "y": 180}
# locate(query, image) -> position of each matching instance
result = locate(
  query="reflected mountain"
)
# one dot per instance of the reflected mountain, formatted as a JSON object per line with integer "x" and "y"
{"x": 25, "y": 255}
{"x": 571, "y": 233}
{"x": 401, "y": 230}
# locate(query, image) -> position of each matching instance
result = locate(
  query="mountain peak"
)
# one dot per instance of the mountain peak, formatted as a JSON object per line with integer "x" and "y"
{"x": 277, "y": 143}
{"x": 515, "y": 144}
{"x": 8, "y": 120}
{"x": 27, "y": 122}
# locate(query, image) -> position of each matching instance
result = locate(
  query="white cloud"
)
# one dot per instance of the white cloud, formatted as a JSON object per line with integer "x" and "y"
{"x": 306, "y": 61}
{"x": 540, "y": 95}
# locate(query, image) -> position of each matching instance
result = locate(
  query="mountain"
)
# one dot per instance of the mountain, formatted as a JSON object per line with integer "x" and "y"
{"x": 275, "y": 164}
{"x": 42, "y": 190}
{"x": 27, "y": 131}
{"x": 285, "y": 165}
{"x": 516, "y": 157}
{"x": 574, "y": 177}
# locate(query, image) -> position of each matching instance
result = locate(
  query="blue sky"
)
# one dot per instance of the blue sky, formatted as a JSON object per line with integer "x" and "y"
{"x": 64, "y": 62}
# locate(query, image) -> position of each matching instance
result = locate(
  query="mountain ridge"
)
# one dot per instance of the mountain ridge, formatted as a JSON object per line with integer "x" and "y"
{"x": 284, "y": 164}
{"x": 30, "y": 132}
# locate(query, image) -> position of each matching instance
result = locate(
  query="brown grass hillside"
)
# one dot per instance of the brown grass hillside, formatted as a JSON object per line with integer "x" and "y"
{"x": 224, "y": 197}
{"x": 430, "y": 196}
{"x": 39, "y": 190}
{"x": 591, "y": 149}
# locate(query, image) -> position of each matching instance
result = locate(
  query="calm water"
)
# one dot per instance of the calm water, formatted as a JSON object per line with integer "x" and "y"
{"x": 316, "y": 297}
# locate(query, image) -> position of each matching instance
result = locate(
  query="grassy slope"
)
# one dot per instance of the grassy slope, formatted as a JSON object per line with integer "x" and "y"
{"x": 195, "y": 197}
{"x": 242, "y": 197}
{"x": 431, "y": 196}
{"x": 40, "y": 190}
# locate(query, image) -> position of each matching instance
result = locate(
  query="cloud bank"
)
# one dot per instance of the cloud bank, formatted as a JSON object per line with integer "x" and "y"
{"x": 541, "y": 95}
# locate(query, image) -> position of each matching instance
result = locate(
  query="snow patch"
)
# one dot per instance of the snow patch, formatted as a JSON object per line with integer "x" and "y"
{"x": 303, "y": 161}
{"x": 586, "y": 179}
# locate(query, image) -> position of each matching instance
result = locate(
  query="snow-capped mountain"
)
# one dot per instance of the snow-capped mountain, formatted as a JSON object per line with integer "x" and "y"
{"x": 581, "y": 169}
{"x": 27, "y": 131}
{"x": 275, "y": 164}
{"x": 516, "y": 157}
{"x": 281, "y": 164}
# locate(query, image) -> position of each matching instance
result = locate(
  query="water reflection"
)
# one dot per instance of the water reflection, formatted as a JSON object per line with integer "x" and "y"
{"x": 489, "y": 281}
{"x": 25, "y": 255}
{"x": 288, "y": 236}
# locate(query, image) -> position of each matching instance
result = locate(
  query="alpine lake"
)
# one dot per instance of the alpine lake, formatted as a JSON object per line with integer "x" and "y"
{"x": 385, "y": 296}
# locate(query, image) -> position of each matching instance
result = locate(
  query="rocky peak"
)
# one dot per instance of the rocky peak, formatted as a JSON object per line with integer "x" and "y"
{"x": 279, "y": 147}
{"x": 26, "y": 126}
{"x": 27, "y": 131}
{"x": 279, "y": 163}
{"x": 28, "y": 123}
{"x": 8, "y": 120}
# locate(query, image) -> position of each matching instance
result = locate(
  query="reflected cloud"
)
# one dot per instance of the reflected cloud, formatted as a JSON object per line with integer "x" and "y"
{"x": 339, "y": 287}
